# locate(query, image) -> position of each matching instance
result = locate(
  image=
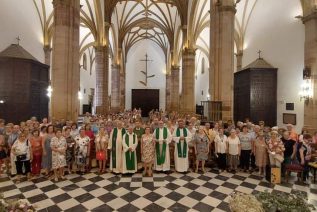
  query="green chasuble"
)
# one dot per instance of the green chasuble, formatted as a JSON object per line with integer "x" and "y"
{"x": 180, "y": 153}
{"x": 130, "y": 156}
{"x": 160, "y": 158}
{"x": 139, "y": 132}
{"x": 114, "y": 146}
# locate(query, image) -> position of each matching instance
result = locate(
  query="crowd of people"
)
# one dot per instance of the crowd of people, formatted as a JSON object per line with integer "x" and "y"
{"x": 126, "y": 143}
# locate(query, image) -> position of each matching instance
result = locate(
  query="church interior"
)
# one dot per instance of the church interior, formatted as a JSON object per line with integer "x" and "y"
{"x": 230, "y": 85}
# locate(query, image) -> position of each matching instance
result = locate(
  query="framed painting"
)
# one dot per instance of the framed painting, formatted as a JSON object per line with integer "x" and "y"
{"x": 289, "y": 118}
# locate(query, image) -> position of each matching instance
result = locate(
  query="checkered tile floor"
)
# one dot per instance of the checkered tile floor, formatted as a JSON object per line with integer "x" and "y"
{"x": 162, "y": 192}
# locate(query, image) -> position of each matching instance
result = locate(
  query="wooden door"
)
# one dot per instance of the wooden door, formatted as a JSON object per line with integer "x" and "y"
{"x": 146, "y": 99}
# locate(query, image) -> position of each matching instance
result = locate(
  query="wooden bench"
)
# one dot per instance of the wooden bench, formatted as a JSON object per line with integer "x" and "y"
{"x": 297, "y": 168}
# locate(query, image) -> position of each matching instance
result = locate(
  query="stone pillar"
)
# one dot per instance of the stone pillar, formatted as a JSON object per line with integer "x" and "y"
{"x": 174, "y": 106}
{"x": 187, "y": 104}
{"x": 310, "y": 108}
{"x": 168, "y": 92}
{"x": 102, "y": 72}
{"x": 115, "y": 88}
{"x": 239, "y": 56}
{"x": 47, "y": 52}
{"x": 122, "y": 89}
{"x": 65, "y": 60}
{"x": 222, "y": 55}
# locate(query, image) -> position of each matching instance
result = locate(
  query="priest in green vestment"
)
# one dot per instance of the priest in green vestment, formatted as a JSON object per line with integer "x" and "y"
{"x": 163, "y": 138}
{"x": 182, "y": 137}
{"x": 115, "y": 146}
{"x": 129, "y": 156}
{"x": 139, "y": 131}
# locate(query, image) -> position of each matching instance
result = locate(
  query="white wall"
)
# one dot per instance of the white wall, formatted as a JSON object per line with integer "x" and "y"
{"x": 19, "y": 18}
{"x": 274, "y": 30}
{"x": 134, "y": 66}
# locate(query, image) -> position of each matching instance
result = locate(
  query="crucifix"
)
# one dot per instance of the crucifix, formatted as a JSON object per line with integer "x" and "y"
{"x": 146, "y": 71}
{"x": 18, "y": 39}
{"x": 259, "y": 52}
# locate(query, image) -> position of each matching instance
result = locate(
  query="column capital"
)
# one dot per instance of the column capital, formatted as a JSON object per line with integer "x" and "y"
{"x": 100, "y": 48}
{"x": 61, "y": 2}
{"x": 175, "y": 68}
{"x": 115, "y": 66}
{"x": 47, "y": 48}
{"x": 311, "y": 16}
{"x": 189, "y": 51}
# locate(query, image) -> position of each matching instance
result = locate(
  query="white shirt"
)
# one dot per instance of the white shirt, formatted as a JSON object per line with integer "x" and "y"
{"x": 233, "y": 145}
{"x": 221, "y": 143}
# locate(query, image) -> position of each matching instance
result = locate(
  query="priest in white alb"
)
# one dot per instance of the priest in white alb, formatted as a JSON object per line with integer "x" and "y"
{"x": 115, "y": 146}
{"x": 129, "y": 157}
{"x": 163, "y": 138}
{"x": 182, "y": 137}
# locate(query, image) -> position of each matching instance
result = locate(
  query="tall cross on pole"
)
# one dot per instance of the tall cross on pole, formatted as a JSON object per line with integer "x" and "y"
{"x": 146, "y": 71}
{"x": 18, "y": 39}
{"x": 259, "y": 52}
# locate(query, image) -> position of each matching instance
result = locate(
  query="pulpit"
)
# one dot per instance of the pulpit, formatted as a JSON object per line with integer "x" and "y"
{"x": 23, "y": 85}
{"x": 255, "y": 93}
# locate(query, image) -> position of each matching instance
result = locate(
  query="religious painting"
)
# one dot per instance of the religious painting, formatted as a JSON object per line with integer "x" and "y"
{"x": 289, "y": 118}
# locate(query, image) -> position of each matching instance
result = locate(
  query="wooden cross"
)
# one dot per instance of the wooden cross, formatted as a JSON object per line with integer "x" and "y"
{"x": 146, "y": 71}
{"x": 259, "y": 52}
{"x": 18, "y": 39}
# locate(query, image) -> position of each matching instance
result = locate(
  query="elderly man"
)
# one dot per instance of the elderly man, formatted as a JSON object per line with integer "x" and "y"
{"x": 115, "y": 146}
{"x": 129, "y": 156}
{"x": 182, "y": 137}
{"x": 163, "y": 138}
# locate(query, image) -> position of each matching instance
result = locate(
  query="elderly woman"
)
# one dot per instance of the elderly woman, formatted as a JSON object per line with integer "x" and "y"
{"x": 260, "y": 151}
{"x": 147, "y": 151}
{"x": 47, "y": 150}
{"x": 304, "y": 154}
{"x": 221, "y": 141}
{"x": 234, "y": 150}
{"x": 59, "y": 146}
{"x": 22, "y": 151}
{"x": 70, "y": 151}
{"x": 36, "y": 144}
{"x": 201, "y": 146}
{"x": 101, "y": 144}
{"x": 276, "y": 149}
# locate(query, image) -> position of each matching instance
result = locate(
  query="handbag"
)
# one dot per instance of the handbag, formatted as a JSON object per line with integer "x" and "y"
{"x": 100, "y": 155}
{"x": 21, "y": 157}
{"x": 280, "y": 158}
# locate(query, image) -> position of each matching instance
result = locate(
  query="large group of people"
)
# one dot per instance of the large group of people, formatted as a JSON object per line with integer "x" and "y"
{"x": 127, "y": 143}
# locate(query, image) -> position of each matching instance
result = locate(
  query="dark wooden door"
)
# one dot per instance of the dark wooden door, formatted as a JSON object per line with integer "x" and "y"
{"x": 146, "y": 99}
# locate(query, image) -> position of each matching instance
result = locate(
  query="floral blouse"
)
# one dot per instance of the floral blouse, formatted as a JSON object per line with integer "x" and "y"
{"x": 276, "y": 146}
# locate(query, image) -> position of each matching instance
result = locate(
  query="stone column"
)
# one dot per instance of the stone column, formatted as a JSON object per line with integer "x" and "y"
{"x": 222, "y": 55}
{"x": 65, "y": 60}
{"x": 310, "y": 108}
{"x": 187, "y": 104}
{"x": 47, "y": 53}
{"x": 102, "y": 72}
{"x": 122, "y": 89}
{"x": 174, "y": 106}
{"x": 239, "y": 56}
{"x": 115, "y": 88}
{"x": 168, "y": 92}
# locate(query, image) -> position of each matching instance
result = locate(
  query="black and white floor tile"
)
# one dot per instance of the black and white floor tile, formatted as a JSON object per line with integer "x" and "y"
{"x": 162, "y": 192}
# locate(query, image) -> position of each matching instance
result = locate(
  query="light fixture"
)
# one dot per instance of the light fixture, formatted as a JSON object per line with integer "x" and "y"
{"x": 306, "y": 92}
{"x": 208, "y": 97}
{"x": 80, "y": 95}
{"x": 49, "y": 91}
{"x": 1, "y": 101}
